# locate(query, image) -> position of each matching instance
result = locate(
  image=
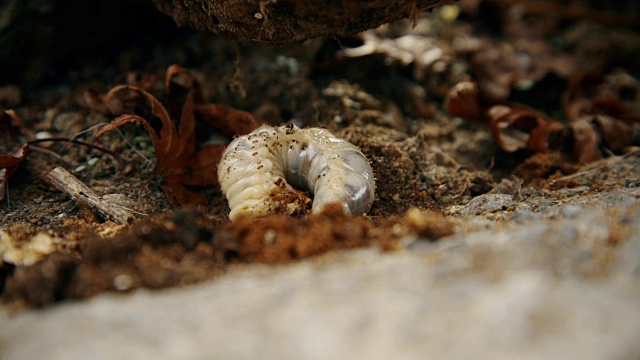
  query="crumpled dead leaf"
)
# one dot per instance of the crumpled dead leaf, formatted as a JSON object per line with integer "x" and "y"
{"x": 13, "y": 148}
{"x": 598, "y": 118}
{"x": 463, "y": 101}
{"x": 588, "y": 94}
{"x": 513, "y": 126}
{"x": 179, "y": 160}
{"x": 587, "y": 136}
{"x": 516, "y": 128}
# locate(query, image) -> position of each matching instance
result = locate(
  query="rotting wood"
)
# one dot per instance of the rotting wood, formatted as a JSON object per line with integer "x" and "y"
{"x": 69, "y": 184}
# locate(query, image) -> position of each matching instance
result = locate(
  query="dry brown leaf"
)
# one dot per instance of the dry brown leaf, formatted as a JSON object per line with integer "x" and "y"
{"x": 516, "y": 128}
{"x": 13, "y": 148}
{"x": 615, "y": 134}
{"x": 587, "y": 95}
{"x": 584, "y": 141}
{"x": 179, "y": 160}
{"x": 463, "y": 101}
{"x": 587, "y": 136}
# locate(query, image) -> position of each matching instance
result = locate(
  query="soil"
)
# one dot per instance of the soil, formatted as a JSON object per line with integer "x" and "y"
{"x": 370, "y": 89}
{"x": 289, "y": 21}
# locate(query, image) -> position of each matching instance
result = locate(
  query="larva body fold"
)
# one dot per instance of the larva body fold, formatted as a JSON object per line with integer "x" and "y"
{"x": 260, "y": 173}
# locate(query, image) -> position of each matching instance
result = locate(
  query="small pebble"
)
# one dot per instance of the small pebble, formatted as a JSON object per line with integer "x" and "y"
{"x": 428, "y": 224}
{"x": 122, "y": 282}
{"x": 487, "y": 203}
{"x": 571, "y": 211}
{"x": 270, "y": 236}
{"x": 44, "y": 135}
{"x": 523, "y": 215}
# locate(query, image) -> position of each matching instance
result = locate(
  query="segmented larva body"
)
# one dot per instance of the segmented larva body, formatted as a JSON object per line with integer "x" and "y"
{"x": 259, "y": 172}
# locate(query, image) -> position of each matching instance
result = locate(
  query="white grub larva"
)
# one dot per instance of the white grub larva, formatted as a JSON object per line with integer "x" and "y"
{"x": 259, "y": 172}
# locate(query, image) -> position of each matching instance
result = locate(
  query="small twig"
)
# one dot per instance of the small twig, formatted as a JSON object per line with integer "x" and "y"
{"x": 78, "y": 142}
{"x": 139, "y": 153}
{"x": 66, "y": 182}
{"x": 50, "y": 153}
{"x": 142, "y": 188}
{"x": 414, "y": 16}
{"x": 596, "y": 166}
{"x": 235, "y": 83}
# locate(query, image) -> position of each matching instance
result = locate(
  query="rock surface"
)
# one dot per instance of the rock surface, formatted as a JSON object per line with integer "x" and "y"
{"x": 563, "y": 282}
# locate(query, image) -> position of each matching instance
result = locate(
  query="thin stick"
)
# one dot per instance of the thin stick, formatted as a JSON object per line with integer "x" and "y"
{"x": 78, "y": 142}
{"x": 597, "y": 166}
{"x": 50, "y": 153}
{"x": 66, "y": 182}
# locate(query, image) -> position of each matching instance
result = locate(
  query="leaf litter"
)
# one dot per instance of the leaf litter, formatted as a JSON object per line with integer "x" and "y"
{"x": 13, "y": 148}
{"x": 179, "y": 161}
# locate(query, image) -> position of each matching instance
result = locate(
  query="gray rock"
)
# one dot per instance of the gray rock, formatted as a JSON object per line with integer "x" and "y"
{"x": 524, "y": 214}
{"x": 487, "y": 203}
{"x": 573, "y": 191}
{"x": 621, "y": 197}
{"x": 571, "y": 211}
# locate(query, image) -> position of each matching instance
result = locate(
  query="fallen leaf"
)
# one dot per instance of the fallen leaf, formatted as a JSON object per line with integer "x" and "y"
{"x": 179, "y": 161}
{"x": 13, "y": 148}
{"x": 615, "y": 133}
{"x": 516, "y": 128}
{"x": 588, "y": 94}
{"x": 587, "y": 136}
{"x": 583, "y": 141}
{"x": 463, "y": 101}
{"x": 612, "y": 106}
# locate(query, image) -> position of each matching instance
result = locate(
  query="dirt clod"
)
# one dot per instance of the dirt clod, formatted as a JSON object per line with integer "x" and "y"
{"x": 279, "y": 22}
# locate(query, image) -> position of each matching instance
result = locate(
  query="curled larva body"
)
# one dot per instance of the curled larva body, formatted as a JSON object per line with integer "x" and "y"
{"x": 259, "y": 172}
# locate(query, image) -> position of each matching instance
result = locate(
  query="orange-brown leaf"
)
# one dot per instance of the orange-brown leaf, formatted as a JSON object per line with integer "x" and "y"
{"x": 516, "y": 128}
{"x": 202, "y": 168}
{"x": 463, "y": 101}
{"x": 616, "y": 134}
{"x": 177, "y": 159}
{"x": 13, "y": 148}
{"x": 585, "y": 141}
{"x": 163, "y": 142}
{"x": 128, "y": 119}
{"x": 229, "y": 120}
{"x": 183, "y": 144}
{"x": 589, "y": 134}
